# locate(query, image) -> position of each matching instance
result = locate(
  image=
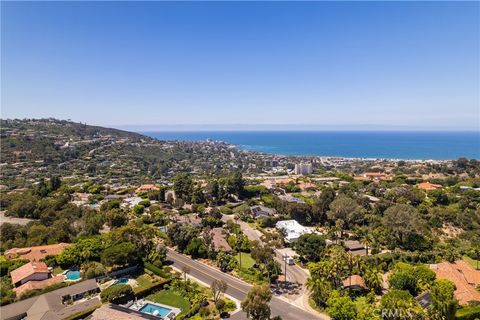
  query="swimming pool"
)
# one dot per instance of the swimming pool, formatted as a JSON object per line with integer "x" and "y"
{"x": 155, "y": 310}
{"x": 120, "y": 281}
{"x": 72, "y": 275}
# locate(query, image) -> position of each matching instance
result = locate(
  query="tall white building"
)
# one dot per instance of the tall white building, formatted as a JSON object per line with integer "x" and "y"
{"x": 303, "y": 168}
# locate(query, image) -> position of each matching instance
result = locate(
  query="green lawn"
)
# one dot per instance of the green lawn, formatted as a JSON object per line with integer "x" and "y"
{"x": 247, "y": 260}
{"x": 144, "y": 281}
{"x": 171, "y": 298}
{"x": 267, "y": 198}
{"x": 471, "y": 261}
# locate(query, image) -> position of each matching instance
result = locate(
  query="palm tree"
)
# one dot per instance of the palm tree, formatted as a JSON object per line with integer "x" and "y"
{"x": 320, "y": 289}
{"x": 373, "y": 279}
{"x": 185, "y": 270}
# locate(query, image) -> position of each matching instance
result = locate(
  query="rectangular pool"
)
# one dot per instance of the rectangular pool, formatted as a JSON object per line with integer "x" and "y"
{"x": 155, "y": 310}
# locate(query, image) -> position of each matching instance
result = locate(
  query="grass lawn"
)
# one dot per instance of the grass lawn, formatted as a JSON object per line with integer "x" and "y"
{"x": 267, "y": 198}
{"x": 471, "y": 261}
{"x": 247, "y": 260}
{"x": 171, "y": 298}
{"x": 144, "y": 281}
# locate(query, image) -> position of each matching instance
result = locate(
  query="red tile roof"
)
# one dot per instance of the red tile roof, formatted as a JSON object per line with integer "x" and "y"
{"x": 464, "y": 277}
{"x": 35, "y": 253}
{"x": 428, "y": 186}
{"x": 27, "y": 270}
{"x": 354, "y": 281}
{"x": 147, "y": 187}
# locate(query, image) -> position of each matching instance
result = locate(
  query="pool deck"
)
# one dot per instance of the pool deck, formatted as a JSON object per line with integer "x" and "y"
{"x": 141, "y": 303}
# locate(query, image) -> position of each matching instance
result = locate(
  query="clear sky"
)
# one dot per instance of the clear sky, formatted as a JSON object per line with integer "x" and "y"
{"x": 319, "y": 65}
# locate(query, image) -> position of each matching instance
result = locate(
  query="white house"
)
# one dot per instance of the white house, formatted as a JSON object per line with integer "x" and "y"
{"x": 130, "y": 202}
{"x": 293, "y": 230}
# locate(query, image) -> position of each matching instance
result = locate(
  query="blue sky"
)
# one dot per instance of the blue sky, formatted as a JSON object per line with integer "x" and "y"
{"x": 315, "y": 65}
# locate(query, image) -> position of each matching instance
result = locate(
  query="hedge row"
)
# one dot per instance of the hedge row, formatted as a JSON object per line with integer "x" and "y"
{"x": 468, "y": 313}
{"x": 156, "y": 270}
{"x": 193, "y": 310}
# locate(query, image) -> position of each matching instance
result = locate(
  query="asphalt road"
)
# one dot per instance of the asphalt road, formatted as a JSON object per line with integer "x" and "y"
{"x": 236, "y": 288}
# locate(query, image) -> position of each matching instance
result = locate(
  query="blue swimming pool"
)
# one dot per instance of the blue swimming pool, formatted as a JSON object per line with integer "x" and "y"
{"x": 120, "y": 281}
{"x": 155, "y": 310}
{"x": 73, "y": 275}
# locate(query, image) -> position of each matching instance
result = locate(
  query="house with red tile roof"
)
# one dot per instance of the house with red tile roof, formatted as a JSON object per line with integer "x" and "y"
{"x": 146, "y": 188}
{"x": 463, "y": 276}
{"x": 372, "y": 176}
{"x": 354, "y": 282}
{"x": 427, "y": 186}
{"x": 35, "y": 253}
{"x": 32, "y": 271}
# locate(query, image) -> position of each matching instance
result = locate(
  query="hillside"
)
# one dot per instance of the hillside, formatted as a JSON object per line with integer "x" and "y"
{"x": 32, "y": 149}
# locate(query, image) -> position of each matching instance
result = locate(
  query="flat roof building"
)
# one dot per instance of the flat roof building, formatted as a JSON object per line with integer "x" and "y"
{"x": 292, "y": 229}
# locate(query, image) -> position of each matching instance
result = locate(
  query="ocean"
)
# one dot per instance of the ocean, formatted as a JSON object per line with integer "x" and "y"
{"x": 348, "y": 144}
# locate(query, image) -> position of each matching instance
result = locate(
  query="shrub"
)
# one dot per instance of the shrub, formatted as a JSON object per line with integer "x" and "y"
{"x": 120, "y": 293}
{"x": 468, "y": 313}
{"x": 156, "y": 270}
{"x": 93, "y": 269}
{"x": 220, "y": 305}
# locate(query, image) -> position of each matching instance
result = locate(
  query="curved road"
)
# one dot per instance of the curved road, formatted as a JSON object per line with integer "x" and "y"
{"x": 236, "y": 288}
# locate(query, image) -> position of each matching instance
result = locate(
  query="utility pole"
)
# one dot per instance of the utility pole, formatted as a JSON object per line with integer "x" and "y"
{"x": 285, "y": 256}
{"x": 239, "y": 244}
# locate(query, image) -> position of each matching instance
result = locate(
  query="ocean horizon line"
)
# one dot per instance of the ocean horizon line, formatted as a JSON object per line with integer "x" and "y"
{"x": 425, "y": 145}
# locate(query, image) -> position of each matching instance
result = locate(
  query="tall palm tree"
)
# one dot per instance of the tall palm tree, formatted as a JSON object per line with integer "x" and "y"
{"x": 373, "y": 279}
{"x": 320, "y": 289}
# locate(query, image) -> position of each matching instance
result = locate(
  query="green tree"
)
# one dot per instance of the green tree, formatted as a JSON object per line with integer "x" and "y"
{"x": 373, "y": 279}
{"x": 444, "y": 305}
{"x": 236, "y": 184}
{"x": 218, "y": 287}
{"x": 403, "y": 279}
{"x": 401, "y": 220}
{"x": 196, "y": 248}
{"x": 310, "y": 246}
{"x": 181, "y": 234}
{"x": 347, "y": 210}
{"x": 322, "y": 204}
{"x": 120, "y": 254}
{"x": 226, "y": 262}
{"x": 92, "y": 270}
{"x": 320, "y": 289}
{"x": 183, "y": 186}
{"x": 117, "y": 294}
{"x": 116, "y": 218}
{"x": 398, "y": 304}
{"x": 138, "y": 209}
{"x": 341, "y": 307}
{"x": 255, "y": 304}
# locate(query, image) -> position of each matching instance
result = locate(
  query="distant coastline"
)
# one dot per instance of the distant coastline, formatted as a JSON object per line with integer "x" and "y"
{"x": 397, "y": 145}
